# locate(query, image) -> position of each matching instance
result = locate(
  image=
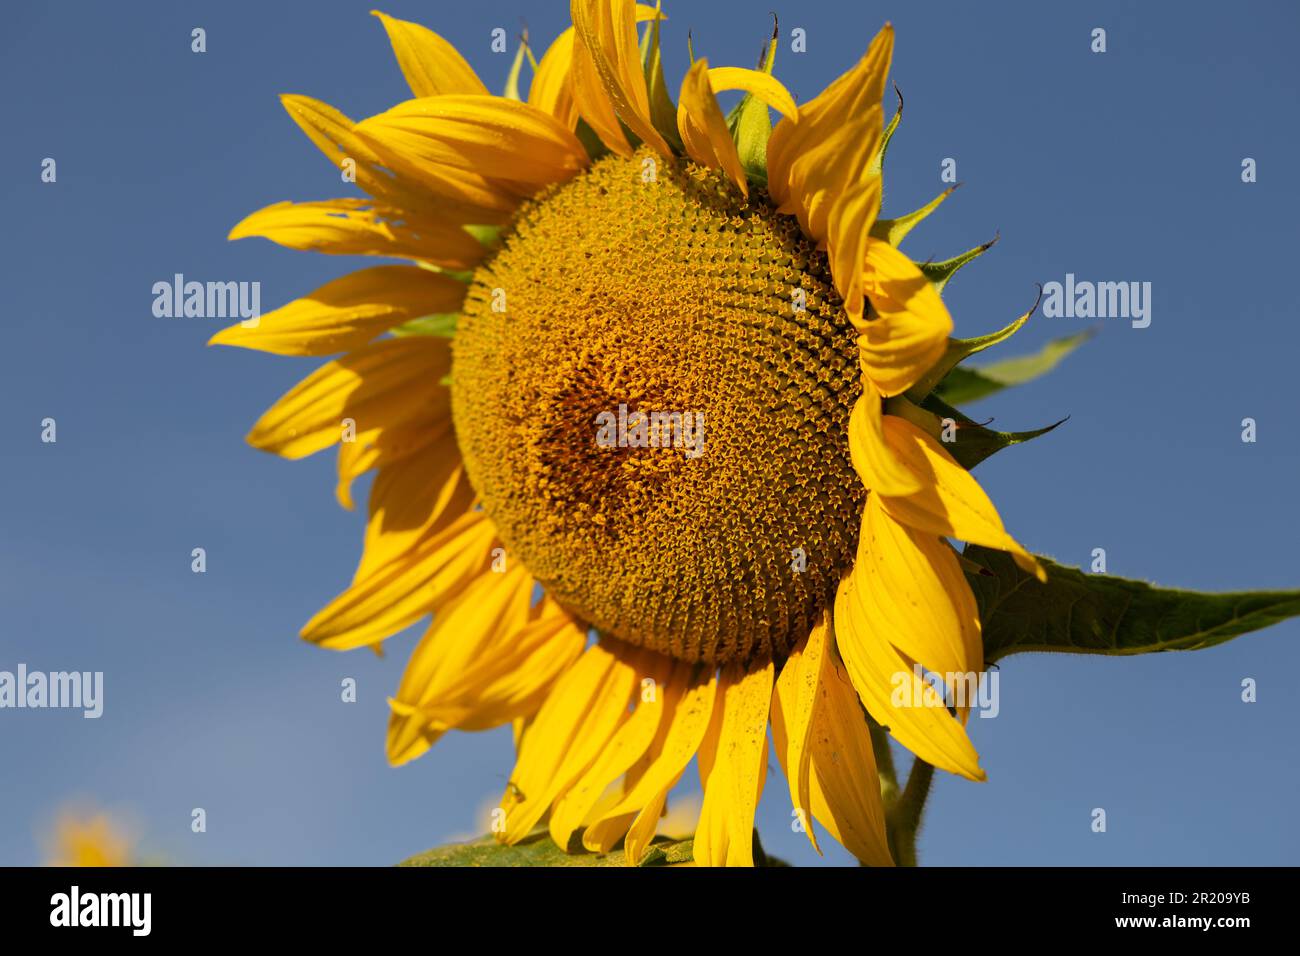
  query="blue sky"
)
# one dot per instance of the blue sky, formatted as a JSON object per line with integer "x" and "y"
{"x": 1122, "y": 166}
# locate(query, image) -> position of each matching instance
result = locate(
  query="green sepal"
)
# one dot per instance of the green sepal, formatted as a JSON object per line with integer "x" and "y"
{"x": 462, "y": 275}
{"x": 663, "y": 114}
{"x": 487, "y": 235}
{"x": 939, "y": 273}
{"x": 1079, "y": 613}
{"x": 958, "y": 350}
{"x": 962, "y": 385}
{"x": 971, "y": 442}
{"x": 893, "y": 231}
{"x": 751, "y": 125}
{"x": 442, "y": 324}
{"x": 878, "y": 163}
{"x": 592, "y": 143}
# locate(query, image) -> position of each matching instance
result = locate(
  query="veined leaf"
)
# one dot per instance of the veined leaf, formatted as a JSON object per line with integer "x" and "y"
{"x": 966, "y": 384}
{"x": 540, "y": 850}
{"x": 1082, "y": 613}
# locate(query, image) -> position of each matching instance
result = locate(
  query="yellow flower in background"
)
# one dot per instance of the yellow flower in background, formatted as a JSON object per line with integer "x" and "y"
{"x": 649, "y": 360}
{"x": 87, "y": 838}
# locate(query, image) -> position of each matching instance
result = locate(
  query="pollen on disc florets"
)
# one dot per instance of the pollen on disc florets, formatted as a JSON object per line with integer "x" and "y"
{"x": 646, "y": 286}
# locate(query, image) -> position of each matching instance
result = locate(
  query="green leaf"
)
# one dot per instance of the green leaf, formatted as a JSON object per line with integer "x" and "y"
{"x": 966, "y": 384}
{"x": 443, "y": 324}
{"x": 538, "y": 849}
{"x": 1082, "y": 613}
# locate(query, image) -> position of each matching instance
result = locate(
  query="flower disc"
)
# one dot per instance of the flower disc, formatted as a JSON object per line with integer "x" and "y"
{"x": 651, "y": 387}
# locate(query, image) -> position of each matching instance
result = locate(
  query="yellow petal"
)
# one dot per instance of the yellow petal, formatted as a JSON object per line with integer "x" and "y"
{"x": 550, "y": 90}
{"x": 348, "y": 312}
{"x": 911, "y": 585}
{"x": 399, "y": 593}
{"x": 825, "y": 747}
{"x": 891, "y": 691}
{"x": 737, "y": 766}
{"x": 792, "y": 716}
{"x": 381, "y": 385}
{"x": 845, "y": 787}
{"x": 608, "y": 82}
{"x": 591, "y": 103}
{"x": 852, "y": 215}
{"x": 516, "y": 681}
{"x": 494, "y": 137}
{"x": 517, "y": 728}
{"x": 907, "y": 330}
{"x": 873, "y": 460}
{"x": 359, "y": 227}
{"x": 951, "y": 502}
{"x": 642, "y": 830}
{"x": 431, "y": 65}
{"x": 584, "y": 710}
{"x": 452, "y": 195}
{"x": 813, "y": 162}
{"x": 690, "y": 718}
{"x": 625, "y": 748}
{"x": 485, "y": 616}
{"x": 703, "y": 128}
{"x": 414, "y": 499}
{"x": 331, "y": 131}
{"x": 383, "y": 446}
{"x": 760, "y": 85}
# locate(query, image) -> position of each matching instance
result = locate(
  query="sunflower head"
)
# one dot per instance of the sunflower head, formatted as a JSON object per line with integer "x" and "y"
{"x": 663, "y": 362}
{"x": 660, "y": 312}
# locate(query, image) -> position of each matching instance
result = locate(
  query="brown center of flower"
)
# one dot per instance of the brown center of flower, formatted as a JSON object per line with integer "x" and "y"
{"x": 651, "y": 386}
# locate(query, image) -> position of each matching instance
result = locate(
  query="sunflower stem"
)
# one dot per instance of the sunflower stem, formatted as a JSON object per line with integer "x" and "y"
{"x": 884, "y": 762}
{"x": 903, "y": 818}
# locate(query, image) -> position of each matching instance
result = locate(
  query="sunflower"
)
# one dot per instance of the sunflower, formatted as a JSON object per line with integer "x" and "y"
{"x": 766, "y": 542}
{"x": 81, "y": 838}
